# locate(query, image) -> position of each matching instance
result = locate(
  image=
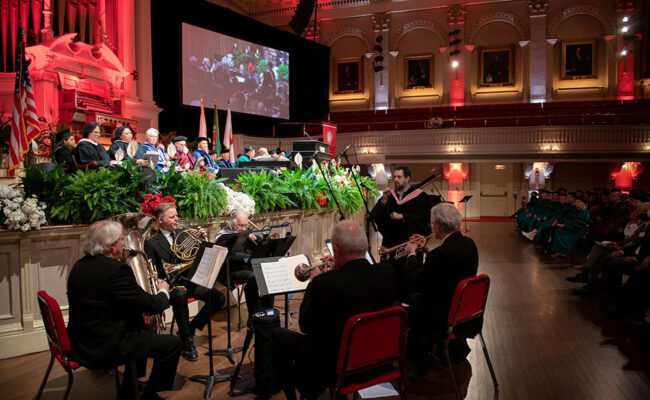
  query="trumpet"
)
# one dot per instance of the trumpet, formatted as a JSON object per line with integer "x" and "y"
{"x": 302, "y": 272}
{"x": 400, "y": 249}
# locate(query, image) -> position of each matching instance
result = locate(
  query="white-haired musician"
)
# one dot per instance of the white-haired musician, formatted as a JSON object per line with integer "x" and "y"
{"x": 106, "y": 306}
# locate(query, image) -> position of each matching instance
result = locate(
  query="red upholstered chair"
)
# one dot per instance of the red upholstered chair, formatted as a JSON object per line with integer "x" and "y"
{"x": 57, "y": 336}
{"x": 465, "y": 318}
{"x": 370, "y": 341}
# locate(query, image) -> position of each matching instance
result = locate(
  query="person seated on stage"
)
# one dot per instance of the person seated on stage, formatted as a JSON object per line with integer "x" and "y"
{"x": 158, "y": 249}
{"x": 151, "y": 146}
{"x": 121, "y": 139}
{"x": 224, "y": 162}
{"x": 263, "y": 155}
{"x": 241, "y": 269}
{"x": 249, "y": 154}
{"x": 434, "y": 283}
{"x": 350, "y": 286}
{"x": 89, "y": 150}
{"x": 182, "y": 158}
{"x": 64, "y": 151}
{"x": 202, "y": 149}
{"x": 106, "y": 326}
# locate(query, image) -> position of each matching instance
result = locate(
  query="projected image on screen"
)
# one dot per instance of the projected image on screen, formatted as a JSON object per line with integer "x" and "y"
{"x": 216, "y": 67}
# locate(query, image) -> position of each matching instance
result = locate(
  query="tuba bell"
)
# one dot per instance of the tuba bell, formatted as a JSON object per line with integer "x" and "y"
{"x": 137, "y": 228}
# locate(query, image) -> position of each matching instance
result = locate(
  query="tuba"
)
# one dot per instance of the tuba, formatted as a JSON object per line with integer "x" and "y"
{"x": 137, "y": 228}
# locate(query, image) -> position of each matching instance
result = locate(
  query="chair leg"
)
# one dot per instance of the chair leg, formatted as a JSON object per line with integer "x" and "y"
{"x": 67, "y": 389}
{"x": 239, "y": 291}
{"x": 402, "y": 381}
{"x": 451, "y": 370}
{"x": 47, "y": 374}
{"x": 489, "y": 363}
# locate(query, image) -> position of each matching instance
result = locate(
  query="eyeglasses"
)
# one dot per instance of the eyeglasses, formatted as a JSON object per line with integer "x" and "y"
{"x": 243, "y": 226}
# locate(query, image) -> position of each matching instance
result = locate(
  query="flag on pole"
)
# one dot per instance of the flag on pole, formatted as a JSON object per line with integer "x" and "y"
{"x": 24, "y": 124}
{"x": 203, "y": 129}
{"x": 215, "y": 131}
{"x": 227, "y": 136}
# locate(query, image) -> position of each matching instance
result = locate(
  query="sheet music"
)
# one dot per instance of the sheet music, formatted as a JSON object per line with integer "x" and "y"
{"x": 277, "y": 277}
{"x": 209, "y": 266}
{"x": 384, "y": 389}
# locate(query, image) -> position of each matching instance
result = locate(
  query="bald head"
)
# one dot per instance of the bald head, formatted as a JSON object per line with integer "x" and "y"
{"x": 349, "y": 242}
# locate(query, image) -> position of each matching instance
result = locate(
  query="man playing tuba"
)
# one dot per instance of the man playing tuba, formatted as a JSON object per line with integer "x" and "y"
{"x": 159, "y": 250}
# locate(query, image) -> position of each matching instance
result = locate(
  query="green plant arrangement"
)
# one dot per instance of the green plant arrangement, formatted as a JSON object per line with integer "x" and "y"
{"x": 46, "y": 186}
{"x": 303, "y": 185}
{"x": 283, "y": 72}
{"x": 343, "y": 186}
{"x": 201, "y": 197}
{"x": 91, "y": 195}
{"x": 265, "y": 189}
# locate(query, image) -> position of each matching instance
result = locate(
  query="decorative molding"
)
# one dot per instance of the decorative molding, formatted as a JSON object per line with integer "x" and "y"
{"x": 551, "y": 41}
{"x": 537, "y": 7}
{"x": 505, "y": 17}
{"x": 349, "y": 31}
{"x": 582, "y": 9}
{"x": 415, "y": 24}
{"x": 381, "y": 22}
{"x": 524, "y": 43}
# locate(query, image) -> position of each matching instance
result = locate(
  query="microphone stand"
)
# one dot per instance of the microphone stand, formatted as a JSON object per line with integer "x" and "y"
{"x": 363, "y": 198}
{"x": 327, "y": 182}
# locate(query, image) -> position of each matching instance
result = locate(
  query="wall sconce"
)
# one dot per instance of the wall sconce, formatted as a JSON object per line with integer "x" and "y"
{"x": 555, "y": 148}
{"x": 548, "y": 147}
{"x": 455, "y": 149}
{"x": 372, "y": 151}
{"x": 364, "y": 151}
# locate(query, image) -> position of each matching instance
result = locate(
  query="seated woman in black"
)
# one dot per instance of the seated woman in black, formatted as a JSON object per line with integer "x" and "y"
{"x": 63, "y": 150}
{"x": 89, "y": 150}
{"x": 121, "y": 139}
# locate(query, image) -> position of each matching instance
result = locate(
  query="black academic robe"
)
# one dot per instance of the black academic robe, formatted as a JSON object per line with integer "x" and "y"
{"x": 64, "y": 155}
{"x": 416, "y": 218}
{"x": 119, "y": 144}
{"x": 86, "y": 152}
{"x": 106, "y": 307}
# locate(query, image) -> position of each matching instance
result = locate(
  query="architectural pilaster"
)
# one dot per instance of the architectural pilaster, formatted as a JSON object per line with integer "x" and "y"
{"x": 626, "y": 28}
{"x": 381, "y": 24}
{"x": 537, "y": 50}
{"x": 457, "y": 60}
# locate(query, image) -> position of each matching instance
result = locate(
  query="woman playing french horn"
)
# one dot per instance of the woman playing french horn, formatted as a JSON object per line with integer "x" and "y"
{"x": 159, "y": 250}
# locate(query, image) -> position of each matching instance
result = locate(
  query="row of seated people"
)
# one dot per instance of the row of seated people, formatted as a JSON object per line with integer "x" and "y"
{"x": 615, "y": 239}
{"x": 88, "y": 151}
{"x": 106, "y": 304}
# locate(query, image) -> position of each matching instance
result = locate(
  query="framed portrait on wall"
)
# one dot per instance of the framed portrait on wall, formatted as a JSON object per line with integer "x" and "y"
{"x": 496, "y": 67}
{"x": 348, "y": 75}
{"x": 418, "y": 72}
{"x": 579, "y": 59}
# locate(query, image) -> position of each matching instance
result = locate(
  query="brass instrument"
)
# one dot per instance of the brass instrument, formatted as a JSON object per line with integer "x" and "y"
{"x": 400, "y": 249}
{"x": 137, "y": 228}
{"x": 185, "y": 247}
{"x": 302, "y": 272}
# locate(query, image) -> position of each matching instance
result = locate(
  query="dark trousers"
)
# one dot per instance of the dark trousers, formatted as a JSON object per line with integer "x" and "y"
{"x": 253, "y": 300}
{"x": 613, "y": 275}
{"x": 165, "y": 351}
{"x": 178, "y": 299}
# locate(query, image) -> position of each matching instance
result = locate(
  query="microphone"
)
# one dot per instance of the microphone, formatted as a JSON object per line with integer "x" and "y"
{"x": 342, "y": 153}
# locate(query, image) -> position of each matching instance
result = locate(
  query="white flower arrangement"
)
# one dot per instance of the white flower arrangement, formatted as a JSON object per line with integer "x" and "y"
{"x": 238, "y": 201}
{"x": 18, "y": 212}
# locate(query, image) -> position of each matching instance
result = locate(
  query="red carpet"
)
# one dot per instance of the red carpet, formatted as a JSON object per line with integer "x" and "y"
{"x": 489, "y": 219}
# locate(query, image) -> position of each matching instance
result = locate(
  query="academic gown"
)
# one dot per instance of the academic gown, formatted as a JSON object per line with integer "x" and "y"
{"x": 416, "y": 218}
{"x": 119, "y": 144}
{"x": 208, "y": 163}
{"x": 155, "y": 149}
{"x": 88, "y": 151}
{"x": 65, "y": 156}
{"x": 566, "y": 238}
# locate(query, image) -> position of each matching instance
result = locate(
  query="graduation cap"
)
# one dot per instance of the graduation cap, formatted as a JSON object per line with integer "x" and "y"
{"x": 544, "y": 191}
{"x": 63, "y": 135}
{"x": 203, "y": 139}
{"x": 179, "y": 139}
{"x": 225, "y": 150}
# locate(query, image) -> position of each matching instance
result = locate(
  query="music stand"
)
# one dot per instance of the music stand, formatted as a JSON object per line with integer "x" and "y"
{"x": 464, "y": 200}
{"x": 228, "y": 241}
{"x": 211, "y": 379}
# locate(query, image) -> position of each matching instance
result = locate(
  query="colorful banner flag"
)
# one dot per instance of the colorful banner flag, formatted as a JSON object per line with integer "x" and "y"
{"x": 203, "y": 129}
{"x": 24, "y": 124}
{"x": 215, "y": 132}
{"x": 329, "y": 137}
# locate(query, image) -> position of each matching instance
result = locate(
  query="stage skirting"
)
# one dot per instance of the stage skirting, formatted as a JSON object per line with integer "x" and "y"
{"x": 42, "y": 260}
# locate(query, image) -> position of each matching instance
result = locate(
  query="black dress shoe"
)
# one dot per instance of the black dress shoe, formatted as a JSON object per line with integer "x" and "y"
{"x": 189, "y": 352}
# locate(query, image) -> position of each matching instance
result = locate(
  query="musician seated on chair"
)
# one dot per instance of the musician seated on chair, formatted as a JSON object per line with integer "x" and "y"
{"x": 106, "y": 325}
{"x": 158, "y": 249}
{"x": 351, "y": 286}
{"x": 434, "y": 283}
{"x": 240, "y": 266}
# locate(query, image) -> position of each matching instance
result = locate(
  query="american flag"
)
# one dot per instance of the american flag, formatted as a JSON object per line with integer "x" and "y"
{"x": 24, "y": 125}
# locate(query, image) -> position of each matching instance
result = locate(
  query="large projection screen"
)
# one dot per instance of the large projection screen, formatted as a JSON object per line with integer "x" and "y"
{"x": 252, "y": 78}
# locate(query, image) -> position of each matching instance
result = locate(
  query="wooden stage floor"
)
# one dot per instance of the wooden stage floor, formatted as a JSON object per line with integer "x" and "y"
{"x": 544, "y": 342}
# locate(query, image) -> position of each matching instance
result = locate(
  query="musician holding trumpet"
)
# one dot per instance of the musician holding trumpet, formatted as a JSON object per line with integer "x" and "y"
{"x": 159, "y": 250}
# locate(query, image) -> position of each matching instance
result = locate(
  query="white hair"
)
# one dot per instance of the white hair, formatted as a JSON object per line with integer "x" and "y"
{"x": 349, "y": 238}
{"x": 262, "y": 151}
{"x": 101, "y": 236}
{"x": 232, "y": 223}
{"x": 446, "y": 216}
{"x": 152, "y": 132}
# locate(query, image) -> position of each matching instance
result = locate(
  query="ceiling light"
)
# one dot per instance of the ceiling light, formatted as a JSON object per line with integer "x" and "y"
{"x": 454, "y": 64}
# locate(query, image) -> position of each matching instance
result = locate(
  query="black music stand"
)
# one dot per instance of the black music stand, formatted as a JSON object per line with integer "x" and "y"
{"x": 211, "y": 379}
{"x": 229, "y": 240}
{"x": 464, "y": 200}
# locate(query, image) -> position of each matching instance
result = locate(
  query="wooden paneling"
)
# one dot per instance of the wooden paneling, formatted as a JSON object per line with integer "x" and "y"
{"x": 10, "y": 306}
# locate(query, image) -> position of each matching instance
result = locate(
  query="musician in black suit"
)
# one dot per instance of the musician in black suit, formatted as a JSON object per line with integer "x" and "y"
{"x": 434, "y": 283}
{"x": 106, "y": 326}
{"x": 89, "y": 150}
{"x": 158, "y": 249}
{"x": 351, "y": 286}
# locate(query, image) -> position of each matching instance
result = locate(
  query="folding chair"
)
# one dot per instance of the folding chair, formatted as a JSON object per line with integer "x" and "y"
{"x": 465, "y": 319}
{"x": 370, "y": 341}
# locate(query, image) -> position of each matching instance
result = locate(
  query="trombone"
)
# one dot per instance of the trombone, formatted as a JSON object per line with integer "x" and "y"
{"x": 400, "y": 249}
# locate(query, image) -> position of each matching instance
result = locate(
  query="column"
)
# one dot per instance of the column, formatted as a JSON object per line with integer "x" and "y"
{"x": 456, "y": 19}
{"x": 381, "y": 68}
{"x": 628, "y": 26}
{"x": 537, "y": 52}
